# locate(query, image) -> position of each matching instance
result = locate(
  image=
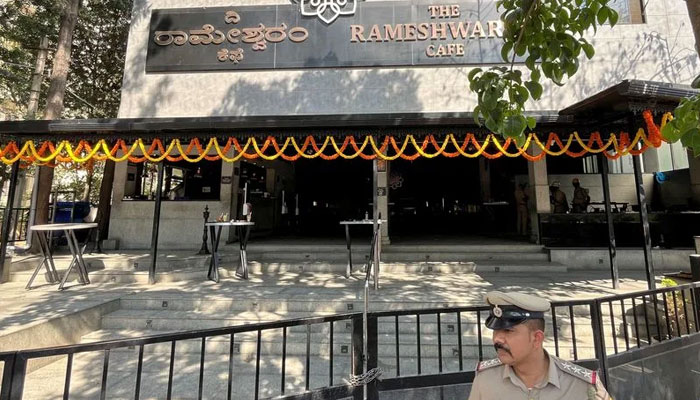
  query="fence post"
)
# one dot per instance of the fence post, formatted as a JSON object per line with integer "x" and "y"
{"x": 357, "y": 345}
{"x": 695, "y": 273}
{"x": 599, "y": 339}
{"x": 14, "y": 374}
{"x": 372, "y": 354}
{"x": 5, "y": 239}
{"x": 8, "y": 367}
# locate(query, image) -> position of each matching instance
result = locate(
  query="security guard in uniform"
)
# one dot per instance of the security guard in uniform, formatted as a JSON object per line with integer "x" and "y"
{"x": 523, "y": 369}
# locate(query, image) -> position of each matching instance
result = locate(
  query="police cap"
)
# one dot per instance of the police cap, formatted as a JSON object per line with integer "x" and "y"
{"x": 510, "y": 309}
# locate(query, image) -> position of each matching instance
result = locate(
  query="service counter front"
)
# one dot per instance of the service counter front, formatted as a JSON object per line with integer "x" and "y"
{"x": 668, "y": 229}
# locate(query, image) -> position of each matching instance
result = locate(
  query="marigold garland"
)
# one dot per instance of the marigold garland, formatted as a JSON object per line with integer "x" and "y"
{"x": 616, "y": 146}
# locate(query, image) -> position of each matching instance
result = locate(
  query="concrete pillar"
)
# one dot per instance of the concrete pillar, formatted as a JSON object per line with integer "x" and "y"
{"x": 234, "y": 171}
{"x": 651, "y": 161}
{"x": 539, "y": 191}
{"x": 485, "y": 179}
{"x": 694, "y": 167}
{"x": 382, "y": 190}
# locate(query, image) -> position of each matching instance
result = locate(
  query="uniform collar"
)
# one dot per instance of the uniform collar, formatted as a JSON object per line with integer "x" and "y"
{"x": 552, "y": 375}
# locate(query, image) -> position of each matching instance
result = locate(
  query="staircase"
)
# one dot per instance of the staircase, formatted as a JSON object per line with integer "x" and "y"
{"x": 168, "y": 311}
{"x": 280, "y": 257}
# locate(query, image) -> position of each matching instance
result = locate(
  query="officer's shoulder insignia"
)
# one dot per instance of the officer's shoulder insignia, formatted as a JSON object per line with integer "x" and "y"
{"x": 488, "y": 364}
{"x": 574, "y": 370}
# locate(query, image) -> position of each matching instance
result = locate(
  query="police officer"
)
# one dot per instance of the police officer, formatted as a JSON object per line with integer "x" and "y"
{"x": 581, "y": 198}
{"x": 523, "y": 216}
{"x": 523, "y": 369}
{"x": 558, "y": 198}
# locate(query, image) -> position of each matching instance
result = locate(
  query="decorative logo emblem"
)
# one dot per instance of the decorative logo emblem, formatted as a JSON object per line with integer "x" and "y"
{"x": 328, "y": 10}
{"x": 497, "y": 312}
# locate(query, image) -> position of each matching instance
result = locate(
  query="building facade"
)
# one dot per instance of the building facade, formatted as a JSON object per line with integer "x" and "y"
{"x": 389, "y": 57}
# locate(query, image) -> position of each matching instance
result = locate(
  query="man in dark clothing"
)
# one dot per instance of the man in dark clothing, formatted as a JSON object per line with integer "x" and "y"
{"x": 558, "y": 199}
{"x": 581, "y": 198}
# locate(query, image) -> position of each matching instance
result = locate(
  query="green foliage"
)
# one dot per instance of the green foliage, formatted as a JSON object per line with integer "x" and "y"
{"x": 548, "y": 36}
{"x": 97, "y": 57}
{"x": 83, "y": 181}
{"x": 668, "y": 282}
{"x": 685, "y": 125}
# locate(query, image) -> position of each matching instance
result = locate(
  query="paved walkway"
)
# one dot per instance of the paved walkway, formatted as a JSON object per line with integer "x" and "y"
{"x": 22, "y": 309}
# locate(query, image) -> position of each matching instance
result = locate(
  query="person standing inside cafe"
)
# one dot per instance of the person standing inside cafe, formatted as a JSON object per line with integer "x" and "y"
{"x": 581, "y": 198}
{"x": 558, "y": 198}
{"x": 521, "y": 204}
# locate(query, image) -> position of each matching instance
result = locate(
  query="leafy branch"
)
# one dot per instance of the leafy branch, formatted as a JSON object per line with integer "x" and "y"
{"x": 548, "y": 37}
{"x": 686, "y": 123}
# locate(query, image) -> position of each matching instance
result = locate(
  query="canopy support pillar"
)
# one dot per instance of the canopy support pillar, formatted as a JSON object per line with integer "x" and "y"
{"x": 6, "y": 223}
{"x": 612, "y": 246}
{"x": 156, "y": 226}
{"x": 644, "y": 220}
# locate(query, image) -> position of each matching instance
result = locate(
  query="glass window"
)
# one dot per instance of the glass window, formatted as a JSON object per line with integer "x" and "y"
{"x": 630, "y": 11}
{"x": 622, "y": 165}
{"x": 182, "y": 181}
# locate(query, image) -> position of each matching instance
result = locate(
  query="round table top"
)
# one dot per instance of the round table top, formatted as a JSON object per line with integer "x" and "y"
{"x": 64, "y": 227}
{"x": 230, "y": 223}
{"x": 361, "y": 222}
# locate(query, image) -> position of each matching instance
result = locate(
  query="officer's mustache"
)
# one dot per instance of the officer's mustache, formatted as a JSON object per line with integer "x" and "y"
{"x": 499, "y": 346}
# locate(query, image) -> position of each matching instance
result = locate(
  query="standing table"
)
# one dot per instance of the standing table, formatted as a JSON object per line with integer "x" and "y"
{"x": 243, "y": 228}
{"x": 348, "y": 241}
{"x": 42, "y": 232}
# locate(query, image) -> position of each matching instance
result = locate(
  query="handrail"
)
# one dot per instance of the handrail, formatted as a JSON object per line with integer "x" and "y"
{"x": 368, "y": 374}
{"x": 169, "y": 337}
{"x": 687, "y": 286}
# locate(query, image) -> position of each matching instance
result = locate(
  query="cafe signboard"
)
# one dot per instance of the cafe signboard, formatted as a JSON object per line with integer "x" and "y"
{"x": 324, "y": 34}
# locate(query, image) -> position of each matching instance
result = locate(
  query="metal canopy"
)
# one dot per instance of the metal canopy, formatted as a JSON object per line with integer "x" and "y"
{"x": 627, "y": 98}
{"x": 287, "y": 125}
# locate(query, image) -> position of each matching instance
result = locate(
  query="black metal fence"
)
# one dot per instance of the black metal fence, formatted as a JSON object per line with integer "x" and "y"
{"x": 413, "y": 348}
{"x": 19, "y": 220}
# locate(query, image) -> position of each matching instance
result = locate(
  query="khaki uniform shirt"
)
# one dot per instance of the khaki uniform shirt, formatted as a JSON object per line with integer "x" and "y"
{"x": 560, "y": 203}
{"x": 564, "y": 381}
{"x": 581, "y": 199}
{"x": 520, "y": 197}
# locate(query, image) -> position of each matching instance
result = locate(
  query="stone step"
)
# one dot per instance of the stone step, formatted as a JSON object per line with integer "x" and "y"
{"x": 271, "y": 344}
{"x": 415, "y": 256}
{"x": 118, "y": 261}
{"x": 192, "y": 320}
{"x": 185, "y": 302}
{"x": 177, "y": 273}
{"x": 48, "y": 382}
{"x": 362, "y": 245}
{"x": 174, "y": 301}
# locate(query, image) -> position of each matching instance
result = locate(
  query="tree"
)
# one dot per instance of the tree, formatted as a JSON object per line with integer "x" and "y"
{"x": 549, "y": 37}
{"x": 54, "y": 100}
{"x": 97, "y": 56}
{"x": 93, "y": 85}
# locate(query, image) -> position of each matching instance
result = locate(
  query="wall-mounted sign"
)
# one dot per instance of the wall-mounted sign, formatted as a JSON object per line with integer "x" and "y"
{"x": 317, "y": 34}
{"x": 226, "y": 180}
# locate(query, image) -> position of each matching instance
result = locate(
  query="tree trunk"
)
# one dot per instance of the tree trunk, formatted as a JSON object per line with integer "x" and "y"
{"x": 3, "y": 177}
{"x": 104, "y": 207}
{"x": 54, "y": 101}
{"x": 694, "y": 13}
{"x": 88, "y": 186}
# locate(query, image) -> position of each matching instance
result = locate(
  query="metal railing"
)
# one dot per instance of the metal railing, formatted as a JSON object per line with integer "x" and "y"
{"x": 414, "y": 348}
{"x": 15, "y": 363}
{"x": 19, "y": 220}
